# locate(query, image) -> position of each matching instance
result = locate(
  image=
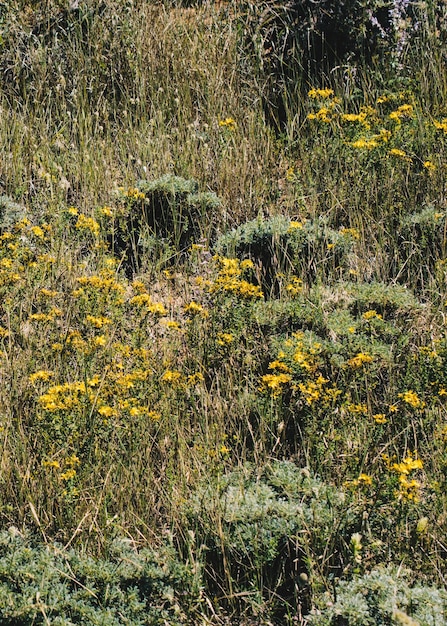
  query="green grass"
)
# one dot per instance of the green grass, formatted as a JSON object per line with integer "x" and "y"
{"x": 220, "y": 341}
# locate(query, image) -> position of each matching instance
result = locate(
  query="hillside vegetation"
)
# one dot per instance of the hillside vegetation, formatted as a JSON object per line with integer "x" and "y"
{"x": 223, "y": 299}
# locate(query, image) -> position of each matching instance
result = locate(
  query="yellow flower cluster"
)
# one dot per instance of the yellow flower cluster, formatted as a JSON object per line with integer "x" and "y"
{"x": 88, "y": 223}
{"x": 322, "y": 115}
{"x": 442, "y": 125}
{"x": 364, "y": 480}
{"x": 224, "y": 339}
{"x": 409, "y": 488}
{"x": 295, "y": 286}
{"x": 320, "y": 94}
{"x": 274, "y": 383}
{"x": 228, "y": 123}
{"x": 296, "y": 225}
{"x": 405, "y": 111}
{"x": 303, "y": 355}
{"x": 132, "y": 192}
{"x": 46, "y": 317}
{"x": 105, "y": 282}
{"x": 372, "y": 142}
{"x": 64, "y": 397}
{"x": 401, "y": 154}
{"x": 357, "y": 409}
{"x": 359, "y": 360}
{"x": 97, "y": 322}
{"x": 371, "y": 314}
{"x": 144, "y": 301}
{"x": 412, "y": 399}
{"x": 40, "y": 375}
{"x": 193, "y": 308}
{"x": 350, "y": 232}
{"x": 229, "y": 279}
{"x": 312, "y": 390}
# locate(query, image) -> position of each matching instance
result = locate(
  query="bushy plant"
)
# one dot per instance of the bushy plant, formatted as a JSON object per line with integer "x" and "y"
{"x": 42, "y": 584}
{"x": 310, "y": 249}
{"x": 268, "y": 530}
{"x": 161, "y": 217}
{"x": 384, "y": 596}
{"x": 10, "y": 212}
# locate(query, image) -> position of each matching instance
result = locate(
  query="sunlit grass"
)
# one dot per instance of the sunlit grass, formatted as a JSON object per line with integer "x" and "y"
{"x": 192, "y": 301}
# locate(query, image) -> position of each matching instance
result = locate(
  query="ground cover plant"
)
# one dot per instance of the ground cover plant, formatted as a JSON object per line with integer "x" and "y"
{"x": 223, "y": 350}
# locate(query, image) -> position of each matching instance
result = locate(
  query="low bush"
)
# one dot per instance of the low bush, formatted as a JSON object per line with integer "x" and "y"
{"x": 48, "y": 584}
{"x": 385, "y": 596}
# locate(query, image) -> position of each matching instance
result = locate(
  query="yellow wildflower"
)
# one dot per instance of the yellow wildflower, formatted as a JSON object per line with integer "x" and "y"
{"x": 371, "y": 314}
{"x": 228, "y": 123}
{"x": 400, "y": 154}
{"x": 68, "y": 475}
{"x": 157, "y": 309}
{"x": 350, "y": 232}
{"x": 48, "y": 293}
{"x": 274, "y": 383}
{"x": 404, "y": 111}
{"x": 72, "y": 460}
{"x": 316, "y": 94}
{"x": 38, "y": 232}
{"x": 100, "y": 340}
{"x": 442, "y": 125}
{"x": 296, "y": 225}
{"x": 193, "y": 308}
{"x": 224, "y": 339}
{"x": 195, "y": 379}
{"x": 87, "y": 223}
{"x": 411, "y": 398}
{"x": 365, "y": 144}
{"x": 142, "y": 299}
{"x": 107, "y": 411}
{"x": 409, "y": 464}
{"x": 364, "y": 479}
{"x": 357, "y": 409}
{"x": 279, "y": 365}
{"x": 380, "y": 418}
{"x": 55, "y": 464}
{"x": 295, "y": 287}
{"x": 359, "y": 360}
{"x": 171, "y": 325}
{"x": 139, "y": 286}
{"x": 171, "y": 377}
{"x": 42, "y": 375}
{"x": 97, "y": 322}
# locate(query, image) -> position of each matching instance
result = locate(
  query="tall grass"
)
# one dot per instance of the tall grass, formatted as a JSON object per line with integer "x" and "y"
{"x": 256, "y": 377}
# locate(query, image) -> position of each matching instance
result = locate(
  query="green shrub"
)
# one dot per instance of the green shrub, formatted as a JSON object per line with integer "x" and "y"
{"x": 42, "y": 584}
{"x": 384, "y": 596}
{"x": 161, "y": 218}
{"x": 421, "y": 244}
{"x": 264, "y": 530}
{"x": 10, "y": 212}
{"x": 310, "y": 249}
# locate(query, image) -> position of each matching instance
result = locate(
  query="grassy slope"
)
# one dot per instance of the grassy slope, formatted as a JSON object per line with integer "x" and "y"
{"x": 122, "y": 393}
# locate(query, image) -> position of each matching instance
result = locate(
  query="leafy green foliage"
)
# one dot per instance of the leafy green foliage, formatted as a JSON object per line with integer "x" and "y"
{"x": 311, "y": 249}
{"x": 384, "y": 596}
{"x": 163, "y": 216}
{"x": 264, "y": 528}
{"x": 41, "y": 584}
{"x": 271, "y": 390}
